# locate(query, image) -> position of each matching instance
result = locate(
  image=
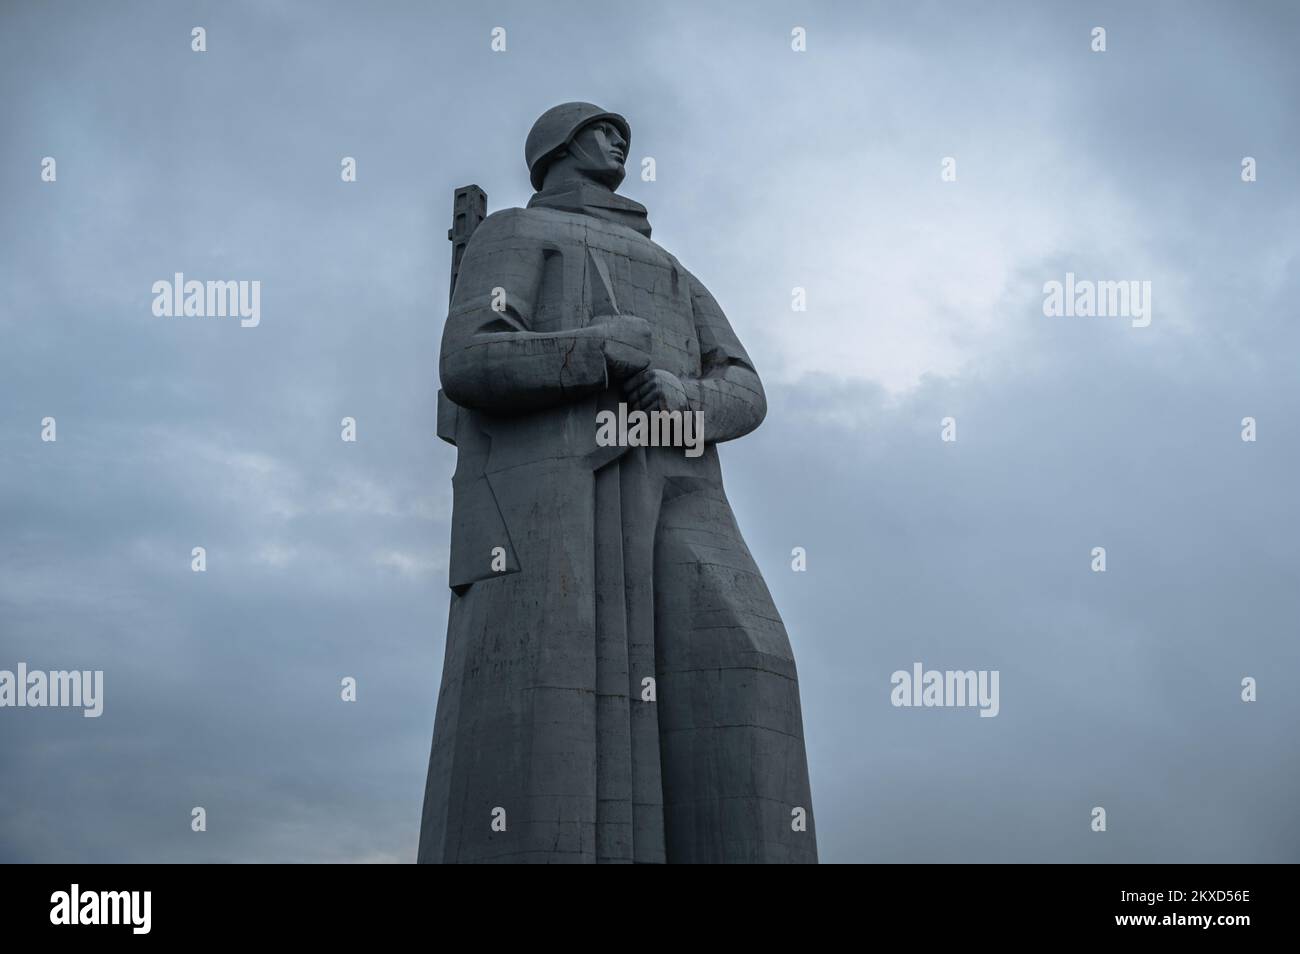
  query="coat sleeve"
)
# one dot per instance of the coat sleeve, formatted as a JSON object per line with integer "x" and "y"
{"x": 728, "y": 390}
{"x": 491, "y": 359}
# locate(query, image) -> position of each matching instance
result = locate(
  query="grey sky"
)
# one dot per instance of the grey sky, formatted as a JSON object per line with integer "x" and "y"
{"x": 775, "y": 169}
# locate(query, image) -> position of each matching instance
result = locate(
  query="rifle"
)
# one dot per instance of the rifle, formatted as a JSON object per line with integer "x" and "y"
{"x": 468, "y": 210}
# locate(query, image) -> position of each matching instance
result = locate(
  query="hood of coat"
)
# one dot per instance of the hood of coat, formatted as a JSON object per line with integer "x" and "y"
{"x": 591, "y": 199}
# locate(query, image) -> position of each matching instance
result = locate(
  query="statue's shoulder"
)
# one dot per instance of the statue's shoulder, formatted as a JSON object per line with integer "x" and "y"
{"x": 534, "y": 223}
{"x": 681, "y": 269}
{"x": 501, "y": 223}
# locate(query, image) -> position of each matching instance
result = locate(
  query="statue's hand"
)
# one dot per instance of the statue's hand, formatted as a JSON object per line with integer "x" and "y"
{"x": 656, "y": 390}
{"x": 627, "y": 343}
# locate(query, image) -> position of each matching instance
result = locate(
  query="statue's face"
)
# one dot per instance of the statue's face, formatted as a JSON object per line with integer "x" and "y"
{"x": 599, "y": 151}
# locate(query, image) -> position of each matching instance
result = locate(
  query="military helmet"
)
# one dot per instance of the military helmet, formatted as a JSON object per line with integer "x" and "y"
{"x": 556, "y": 128}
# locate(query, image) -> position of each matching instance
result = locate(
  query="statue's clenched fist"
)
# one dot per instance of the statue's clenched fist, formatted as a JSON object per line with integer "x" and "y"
{"x": 656, "y": 390}
{"x": 626, "y": 342}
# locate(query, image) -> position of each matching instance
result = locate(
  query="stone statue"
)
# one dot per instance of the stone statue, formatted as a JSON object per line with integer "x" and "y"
{"x": 618, "y": 685}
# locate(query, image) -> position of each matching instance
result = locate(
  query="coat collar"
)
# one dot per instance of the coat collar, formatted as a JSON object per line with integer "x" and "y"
{"x": 592, "y": 200}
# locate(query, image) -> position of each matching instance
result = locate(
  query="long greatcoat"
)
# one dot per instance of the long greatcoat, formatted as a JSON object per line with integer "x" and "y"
{"x": 618, "y": 685}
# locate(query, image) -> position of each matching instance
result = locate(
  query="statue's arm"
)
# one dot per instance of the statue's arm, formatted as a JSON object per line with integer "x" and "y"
{"x": 491, "y": 359}
{"x": 728, "y": 390}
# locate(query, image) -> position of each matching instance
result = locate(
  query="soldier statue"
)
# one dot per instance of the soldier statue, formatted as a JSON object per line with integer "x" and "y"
{"x": 618, "y": 685}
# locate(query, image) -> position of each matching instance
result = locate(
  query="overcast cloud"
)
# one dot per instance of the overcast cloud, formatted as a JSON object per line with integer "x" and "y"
{"x": 775, "y": 169}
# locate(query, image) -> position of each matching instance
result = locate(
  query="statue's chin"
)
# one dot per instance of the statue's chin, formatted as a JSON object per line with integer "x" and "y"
{"x": 610, "y": 178}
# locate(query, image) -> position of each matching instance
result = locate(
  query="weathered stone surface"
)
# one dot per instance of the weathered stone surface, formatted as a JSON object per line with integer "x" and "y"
{"x": 579, "y": 571}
